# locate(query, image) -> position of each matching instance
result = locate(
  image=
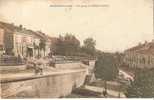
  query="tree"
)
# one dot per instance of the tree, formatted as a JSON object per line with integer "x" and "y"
{"x": 119, "y": 58}
{"x": 89, "y": 46}
{"x": 67, "y": 45}
{"x": 143, "y": 84}
{"x": 105, "y": 68}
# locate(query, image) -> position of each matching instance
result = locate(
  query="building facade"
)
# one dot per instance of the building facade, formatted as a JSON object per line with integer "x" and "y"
{"x": 1, "y": 41}
{"x": 23, "y": 44}
{"x": 141, "y": 56}
{"x": 17, "y": 40}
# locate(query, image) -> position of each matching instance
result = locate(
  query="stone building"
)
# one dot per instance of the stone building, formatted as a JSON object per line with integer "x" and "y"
{"x": 21, "y": 41}
{"x": 7, "y": 38}
{"x": 140, "y": 56}
{"x": 43, "y": 40}
{"x": 1, "y": 41}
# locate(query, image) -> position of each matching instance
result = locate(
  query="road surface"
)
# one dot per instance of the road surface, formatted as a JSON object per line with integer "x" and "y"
{"x": 110, "y": 92}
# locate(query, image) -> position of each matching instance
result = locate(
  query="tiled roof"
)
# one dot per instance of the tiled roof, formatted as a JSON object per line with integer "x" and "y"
{"x": 135, "y": 48}
{"x": 149, "y": 49}
{"x": 147, "y": 52}
{"x": 12, "y": 27}
{"x": 146, "y": 48}
{"x": 7, "y": 26}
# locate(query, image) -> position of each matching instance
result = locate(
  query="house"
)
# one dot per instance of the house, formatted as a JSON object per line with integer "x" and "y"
{"x": 17, "y": 40}
{"x": 1, "y": 41}
{"x": 140, "y": 56}
{"x": 7, "y": 37}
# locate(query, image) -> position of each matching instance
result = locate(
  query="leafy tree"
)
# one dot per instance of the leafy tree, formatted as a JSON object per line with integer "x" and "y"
{"x": 119, "y": 58}
{"x": 143, "y": 84}
{"x": 105, "y": 68}
{"x": 67, "y": 45}
{"x": 89, "y": 46}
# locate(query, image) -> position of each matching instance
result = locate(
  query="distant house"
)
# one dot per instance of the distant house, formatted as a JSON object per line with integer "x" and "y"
{"x": 17, "y": 40}
{"x": 140, "y": 56}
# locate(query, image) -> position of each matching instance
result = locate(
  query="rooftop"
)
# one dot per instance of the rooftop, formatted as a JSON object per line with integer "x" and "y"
{"x": 146, "y": 48}
{"x": 11, "y": 28}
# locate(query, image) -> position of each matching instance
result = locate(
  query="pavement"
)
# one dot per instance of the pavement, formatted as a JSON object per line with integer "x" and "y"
{"x": 112, "y": 93}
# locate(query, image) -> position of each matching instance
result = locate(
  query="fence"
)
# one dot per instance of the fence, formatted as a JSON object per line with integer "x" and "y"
{"x": 10, "y": 61}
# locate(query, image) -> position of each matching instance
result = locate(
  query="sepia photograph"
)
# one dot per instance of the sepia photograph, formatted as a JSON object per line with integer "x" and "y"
{"x": 76, "y": 49}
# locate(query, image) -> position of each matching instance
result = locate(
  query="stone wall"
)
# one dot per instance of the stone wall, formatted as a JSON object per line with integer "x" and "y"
{"x": 51, "y": 86}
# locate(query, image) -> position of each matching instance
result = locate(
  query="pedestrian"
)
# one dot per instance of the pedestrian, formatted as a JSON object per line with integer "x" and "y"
{"x": 52, "y": 62}
{"x": 104, "y": 93}
{"x": 19, "y": 59}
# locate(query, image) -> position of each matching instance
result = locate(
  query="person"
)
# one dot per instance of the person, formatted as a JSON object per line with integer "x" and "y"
{"x": 104, "y": 93}
{"x": 19, "y": 59}
{"x": 38, "y": 69}
{"x": 52, "y": 62}
{"x": 38, "y": 66}
{"x": 50, "y": 55}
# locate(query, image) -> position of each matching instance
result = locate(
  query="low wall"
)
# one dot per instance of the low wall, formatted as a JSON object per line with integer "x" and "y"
{"x": 50, "y": 86}
{"x": 12, "y": 68}
{"x": 74, "y": 65}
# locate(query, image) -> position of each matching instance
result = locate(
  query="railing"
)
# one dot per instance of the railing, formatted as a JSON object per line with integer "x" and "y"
{"x": 71, "y": 59}
{"x": 10, "y": 61}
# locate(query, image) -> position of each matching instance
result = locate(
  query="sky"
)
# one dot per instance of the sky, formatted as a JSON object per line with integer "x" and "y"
{"x": 116, "y": 25}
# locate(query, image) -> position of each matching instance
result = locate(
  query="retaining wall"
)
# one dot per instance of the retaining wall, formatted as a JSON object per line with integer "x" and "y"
{"x": 51, "y": 86}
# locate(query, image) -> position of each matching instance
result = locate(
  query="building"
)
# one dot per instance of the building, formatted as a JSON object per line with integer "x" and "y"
{"x": 44, "y": 43}
{"x": 1, "y": 41}
{"x": 7, "y": 37}
{"x": 23, "y": 43}
{"x": 140, "y": 56}
{"x": 17, "y": 40}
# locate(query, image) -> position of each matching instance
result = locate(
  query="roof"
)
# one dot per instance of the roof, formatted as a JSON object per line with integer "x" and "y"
{"x": 13, "y": 28}
{"x": 53, "y": 39}
{"x": 6, "y": 26}
{"x": 146, "y": 48}
{"x": 147, "y": 52}
{"x": 135, "y": 48}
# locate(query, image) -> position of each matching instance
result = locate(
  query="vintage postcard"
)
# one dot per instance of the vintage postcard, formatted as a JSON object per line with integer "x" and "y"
{"x": 76, "y": 49}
